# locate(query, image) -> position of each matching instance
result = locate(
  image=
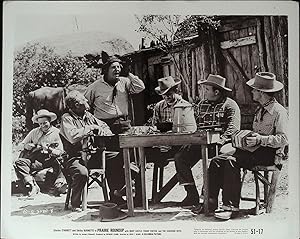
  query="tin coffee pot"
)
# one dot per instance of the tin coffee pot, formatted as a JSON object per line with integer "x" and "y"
{"x": 184, "y": 119}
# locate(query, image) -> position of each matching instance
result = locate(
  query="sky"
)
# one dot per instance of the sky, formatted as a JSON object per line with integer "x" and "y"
{"x": 32, "y": 27}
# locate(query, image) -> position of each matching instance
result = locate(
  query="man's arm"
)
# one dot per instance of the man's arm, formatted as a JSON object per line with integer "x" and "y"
{"x": 134, "y": 84}
{"x": 279, "y": 138}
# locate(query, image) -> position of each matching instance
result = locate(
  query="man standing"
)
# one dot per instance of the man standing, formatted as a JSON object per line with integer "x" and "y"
{"x": 109, "y": 95}
{"x": 270, "y": 136}
{"x": 216, "y": 110}
{"x": 76, "y": 125}
{"x": 36, "y": 154}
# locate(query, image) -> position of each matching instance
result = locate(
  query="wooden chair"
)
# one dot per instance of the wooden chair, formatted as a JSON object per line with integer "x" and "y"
{"x": 95, "y": 175}
{"x": 268, "y": 185}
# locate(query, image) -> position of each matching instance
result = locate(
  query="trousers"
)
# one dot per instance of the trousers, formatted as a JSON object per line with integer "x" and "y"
{"x": 25, "y": 166}
{"x": 226, "y": 174}
{"x": 79, "y": 173}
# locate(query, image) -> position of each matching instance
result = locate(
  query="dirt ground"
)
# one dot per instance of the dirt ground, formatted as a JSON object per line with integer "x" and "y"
{"x": 51, "y": 208}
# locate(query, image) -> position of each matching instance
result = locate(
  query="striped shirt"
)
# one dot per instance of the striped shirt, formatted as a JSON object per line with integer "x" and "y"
{"x": 100, "y": 96}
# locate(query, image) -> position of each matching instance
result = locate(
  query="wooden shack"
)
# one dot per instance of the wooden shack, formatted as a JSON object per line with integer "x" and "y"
{"x": 237, "y": 49}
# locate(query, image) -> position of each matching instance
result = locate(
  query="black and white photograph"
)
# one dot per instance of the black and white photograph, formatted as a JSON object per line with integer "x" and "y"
{"x": 155, "y": 119}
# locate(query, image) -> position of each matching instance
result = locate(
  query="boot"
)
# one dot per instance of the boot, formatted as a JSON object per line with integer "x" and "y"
{"x": 32, "y": 187}
{"x": 192, "y": 197}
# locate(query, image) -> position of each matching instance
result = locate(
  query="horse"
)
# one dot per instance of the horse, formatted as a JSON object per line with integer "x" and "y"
{"x": 50, "y": 98}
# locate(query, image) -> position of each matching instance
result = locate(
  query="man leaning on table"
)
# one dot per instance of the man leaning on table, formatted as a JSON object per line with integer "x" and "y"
{"x": 216, "y": 109}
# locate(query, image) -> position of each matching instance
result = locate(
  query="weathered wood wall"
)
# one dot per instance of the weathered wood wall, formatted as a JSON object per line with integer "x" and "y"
{"x": 242, "y": 46}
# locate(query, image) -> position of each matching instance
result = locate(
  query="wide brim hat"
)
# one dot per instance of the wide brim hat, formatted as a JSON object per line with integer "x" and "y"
{"x": 265, "y": 81}
{"x": 109, "y": 212}
{"x": 165, "y": 84}
{"x": 216, "y": 81}
{"x": 44, "y": 113}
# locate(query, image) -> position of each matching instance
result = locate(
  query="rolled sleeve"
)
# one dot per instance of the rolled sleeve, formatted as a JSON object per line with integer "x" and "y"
{"x": 279, "y": 138}
{"x": 135, "y": 84}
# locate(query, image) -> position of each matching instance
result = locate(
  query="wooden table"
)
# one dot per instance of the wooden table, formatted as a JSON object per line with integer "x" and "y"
{"x": 203, "y": 138}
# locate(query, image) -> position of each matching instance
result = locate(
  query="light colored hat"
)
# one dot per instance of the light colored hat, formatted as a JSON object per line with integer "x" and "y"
{"x": 266, "y": 82}
{"x": 215, "y": 80}
{"x": 109, "y": 212}
{"x": 44, "y": 113}
{"x": 165, "y": 84}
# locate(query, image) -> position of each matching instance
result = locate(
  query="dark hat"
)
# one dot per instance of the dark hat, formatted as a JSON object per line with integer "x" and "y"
{"x": 215, "y": 80}
{"x": 266, "y": 82}
{"x": 108, "y": 60}
{"x": 165, "y": 84}
{"x": 109, "y": 212}
{"x": 44, "y": 113}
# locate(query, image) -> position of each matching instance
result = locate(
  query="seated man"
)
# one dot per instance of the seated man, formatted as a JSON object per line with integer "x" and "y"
{"x": 76, "y": 125}
{"x": 164, "y": 113}
{"x": 269, "y": 137}
{"x": 35, "y": 152}
{"x": 216, "y": 110}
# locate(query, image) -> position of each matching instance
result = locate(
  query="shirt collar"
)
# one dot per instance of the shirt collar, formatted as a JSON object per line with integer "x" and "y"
{"x": 177, "y": 99}
{"x": 269, "y": 106}
{"x": 48, "y": 132}
{"x": 74, "y": 115}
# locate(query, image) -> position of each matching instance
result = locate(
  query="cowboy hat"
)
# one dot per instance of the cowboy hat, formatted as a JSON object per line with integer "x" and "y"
{"x": 215, "y": 80}
{"x": 109, "y": 212}
{"x": 44, "y": 113}
{"x": 265, "y": 81}
{"x": 165, "y": 84}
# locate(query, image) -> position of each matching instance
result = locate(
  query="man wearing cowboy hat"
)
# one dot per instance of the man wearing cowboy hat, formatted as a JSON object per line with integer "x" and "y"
{"x": 109, "y": 95}
{"x": 164, "y": 113}
{"x": 269, "y": 137}
{"x": 216, "y": 110}
{"x": 34, "y": 155}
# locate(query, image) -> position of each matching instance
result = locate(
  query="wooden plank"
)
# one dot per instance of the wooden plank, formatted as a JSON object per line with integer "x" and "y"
{"x": 244, "y": 41}
{"x": 194, "y": 77}
{"x": 261, "y": 50}
{"x": 253, "y": 53}
{"x": 154, "y": 60}
{"x": 237, "y": 25}
{"x": 235, "y": 65}
{"x": 269, "y": 44}
{"x": 246, "y": 65}
{"x": 199, "y": 137}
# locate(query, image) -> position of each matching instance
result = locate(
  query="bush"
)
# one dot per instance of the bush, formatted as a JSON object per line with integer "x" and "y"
{"x": 36, "y": 66}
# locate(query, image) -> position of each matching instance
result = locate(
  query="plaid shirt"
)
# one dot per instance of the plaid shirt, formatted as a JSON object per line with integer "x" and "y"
{"x": 164, "y": 112}
{"x": 224, "y": 113}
